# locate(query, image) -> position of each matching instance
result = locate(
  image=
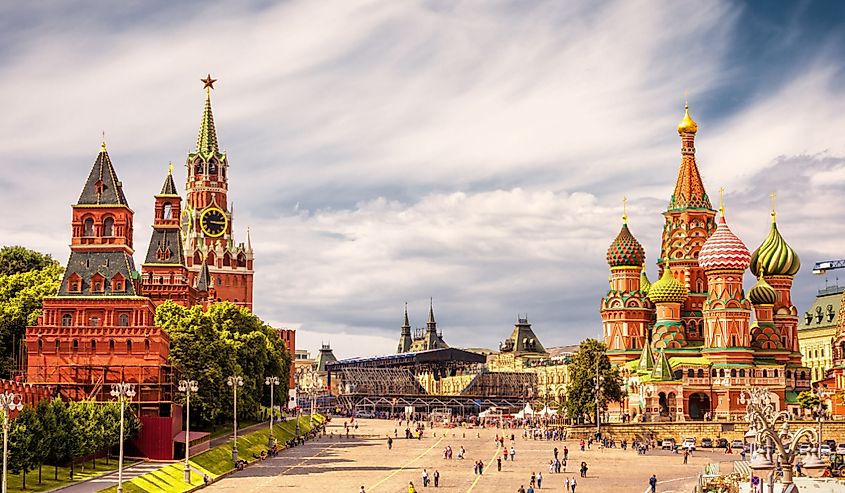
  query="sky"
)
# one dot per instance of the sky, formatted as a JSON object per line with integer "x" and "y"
{"x": 476, "y": 153}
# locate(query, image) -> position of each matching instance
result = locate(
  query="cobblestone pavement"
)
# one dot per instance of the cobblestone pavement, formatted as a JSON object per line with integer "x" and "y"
{"x": 344, "y": 465}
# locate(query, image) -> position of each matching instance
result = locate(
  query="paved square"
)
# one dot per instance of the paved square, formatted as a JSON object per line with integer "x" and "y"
{"x": 344, "y": 465}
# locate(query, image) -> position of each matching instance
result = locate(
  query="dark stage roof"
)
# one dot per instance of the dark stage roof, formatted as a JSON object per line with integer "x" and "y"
{"x": 406, "y": 360}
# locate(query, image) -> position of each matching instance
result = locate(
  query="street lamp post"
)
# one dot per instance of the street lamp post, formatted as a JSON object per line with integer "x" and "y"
{"x": 235, "y": 382}
{"x": 9, "y": 402}
{"x": 272, "y": 382}
{"x": 121, "y": 391}
{"x": 188, "y": 386}
{"x": 763, "y": 420}
{"x": 819, "y": 391}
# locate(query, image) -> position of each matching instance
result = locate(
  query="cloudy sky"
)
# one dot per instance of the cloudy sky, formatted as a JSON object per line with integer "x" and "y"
{"x": 473, "y": 152}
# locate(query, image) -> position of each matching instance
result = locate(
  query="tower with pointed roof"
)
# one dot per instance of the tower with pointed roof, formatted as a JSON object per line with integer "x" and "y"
{"x": 626, "y": 312}
{"x": 99, "y": 329}
{"x": 428, "y": 338}
{"x": 207, "y": 221}
{"x": 688, "y": 222}
{"x": 164, "y": 273}
{"x": 405, "y": 336}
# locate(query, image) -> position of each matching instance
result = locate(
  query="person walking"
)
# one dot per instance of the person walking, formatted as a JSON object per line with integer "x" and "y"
{"x": 389, "y": 443}
{"x": 411, "y": 488}
{"x": 362, "y": 490}
{"x": 425, "y": 478}
{"x": 583, "y": 469}
{"x": 566, "y": 484}
{"x": 499, "y": 464}
{"x": 520, "y": 490}
{"x": 530, "y": 489}
{"x": 436, "y": 478}
{"x": 652, "y": 482}
{"x": 573, "y": 485}
{"x": 513, "y": 454}
{"x": 686, "y": 456}
{"x": 533, "y": 480}
{"x": 540, "y": 480}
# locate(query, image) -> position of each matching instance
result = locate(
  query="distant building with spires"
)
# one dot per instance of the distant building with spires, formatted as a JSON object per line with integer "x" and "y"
{"x": 421, "y": 339}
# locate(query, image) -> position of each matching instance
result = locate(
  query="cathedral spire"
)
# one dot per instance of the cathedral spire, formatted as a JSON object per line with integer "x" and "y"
{"x": 169, "y": 187}
{"x": 689, "y": 189}
{"x": 207, "y": 138}
{"x": 431, "y": 324}
{"x": 407, "y": 322}
{"x": 102, "y": 186}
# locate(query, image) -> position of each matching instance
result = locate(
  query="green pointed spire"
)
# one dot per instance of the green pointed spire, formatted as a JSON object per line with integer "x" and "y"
{"x": 207, "y": 138}
{"x": 646, "y": 363}
{"x": 662, "y": 371}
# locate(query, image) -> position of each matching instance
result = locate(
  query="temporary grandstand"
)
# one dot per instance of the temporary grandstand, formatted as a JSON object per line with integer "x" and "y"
{"x": 437, "y": 379}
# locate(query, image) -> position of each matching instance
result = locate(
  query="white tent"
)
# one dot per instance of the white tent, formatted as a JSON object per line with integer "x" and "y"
{"x": 547, "y": 411}
{"x": 526, "y": 411}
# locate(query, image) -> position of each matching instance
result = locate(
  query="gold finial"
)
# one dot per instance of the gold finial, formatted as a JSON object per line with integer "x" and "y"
{"x": 103, "y": 143}
{"x": 170, "y": 165}
{"x": 686, "y": 100}
{"x": 208, "y": 83}
{"x": 773, "y": 207}
{"x": 722, "y": 201}
{"x": 687, "y": 124}
{"x": 624, "y": 210}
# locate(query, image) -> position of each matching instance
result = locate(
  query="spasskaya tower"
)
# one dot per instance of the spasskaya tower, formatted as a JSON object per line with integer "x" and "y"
{"x": 207, "y": 219}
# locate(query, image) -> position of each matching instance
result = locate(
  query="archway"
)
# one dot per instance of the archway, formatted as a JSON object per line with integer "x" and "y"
{"x": 699, "y": 404}
{"x": 663, "y": 403}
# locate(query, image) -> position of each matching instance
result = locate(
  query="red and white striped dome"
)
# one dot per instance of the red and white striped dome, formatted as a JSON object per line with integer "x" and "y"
{"x": 723, "y": 250}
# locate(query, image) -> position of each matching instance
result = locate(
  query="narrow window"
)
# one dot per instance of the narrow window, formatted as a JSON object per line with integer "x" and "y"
{"x": 147, "y": 346}
{"x": 75, "y": 346}
{"x": 94, "y": 321}
{"x": 67, "y": 319}
{"x": 111, "y": 345}
{"x": 128, "y": 346}
{"x": 167, "y": 211}
{"x": 108, "y": 227}
{"x": 40, "y": 346}
{"x": 58, "y": 346}
{"x": 123, "y": 320}
{"x": 93, "y": 346}
{"x": 88, "y": 227}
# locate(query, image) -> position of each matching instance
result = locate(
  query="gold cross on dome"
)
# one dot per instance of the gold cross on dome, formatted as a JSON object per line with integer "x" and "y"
{"x": 624, "y": 209}
{"x": 773, "y": 206}
{"x": 722, "y": 201}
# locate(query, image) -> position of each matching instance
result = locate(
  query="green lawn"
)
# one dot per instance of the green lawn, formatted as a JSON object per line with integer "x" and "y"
{"x": 15, "y": 481}
{"x": 213, "y": 462}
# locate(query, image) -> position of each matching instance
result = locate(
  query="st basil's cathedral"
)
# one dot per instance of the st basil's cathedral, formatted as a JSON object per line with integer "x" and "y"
{"x": 689, "y": 344}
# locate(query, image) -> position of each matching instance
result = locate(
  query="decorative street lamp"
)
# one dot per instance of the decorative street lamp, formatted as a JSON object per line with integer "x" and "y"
{"x": 121, "y": 391}
{"x": 764, "y": 420}
{"x": 272, "y": 382}
{"x": 8, "y": 402}
{"x": 235, "y": 382}
{"x": 188, "y": 386}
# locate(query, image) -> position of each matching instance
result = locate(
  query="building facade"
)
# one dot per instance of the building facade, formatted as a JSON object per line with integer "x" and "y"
{"x": 817, "y": 330}
{"x": 686, "y": 344}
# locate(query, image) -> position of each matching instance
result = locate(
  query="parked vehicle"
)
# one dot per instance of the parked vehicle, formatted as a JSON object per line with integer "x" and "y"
{"x": 723, "y": 443}
{"x": 688, "y": 444}
{"x": 706, "y": 443}
{"x": 804, "y": 448}
{"x": 840, "y": 449}
{"x": 824, "y": 450}
{"x": 668, "y": 444}
{"x": 837, "y": 465}
{"x": 737, "y": 444}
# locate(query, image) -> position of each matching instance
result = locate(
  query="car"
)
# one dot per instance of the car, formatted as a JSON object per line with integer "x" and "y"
{"x": 804, "y": 448}
{"x": 706, "y": 443}
{"x": 688, "y": 444}
{"x": 824, "y": 450}
{"x": 840, "y": 449}
{"x": 737, "y": 444}
{"x": 667, "y": 444}
{"x": 723, "y": 443}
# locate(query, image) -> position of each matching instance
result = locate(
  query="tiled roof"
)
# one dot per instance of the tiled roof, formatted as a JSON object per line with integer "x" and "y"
{"x": 165, "y": 248}
{"x": 106, "y": 264}
{"x": 102, "y": 186}
{"x": 169, "y": 187}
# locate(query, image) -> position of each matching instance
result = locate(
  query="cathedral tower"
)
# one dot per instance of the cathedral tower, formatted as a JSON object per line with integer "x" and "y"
{"x": 405, "y": 336}
{"x": 688, "y": 224}
{"x": 207, "y": 218}
{"x": 625, "y": 310}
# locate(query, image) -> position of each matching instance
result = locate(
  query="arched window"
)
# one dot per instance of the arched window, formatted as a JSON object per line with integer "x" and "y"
{"x": 93, "y": 345}
{"x": 167, "y": 211}
{"x": 700, "y": 373}
{"x": 212, "y": 167}
{"x": 776, "y": 373}
{"x": 242, "y": 261}
{"x": 111, "y": 345}
{"x": 108, "y": 226}
{"x": 713, "y": 372}
{"x": 123, "y": 320}
{"x": 147, "y": 346}
{"x": 803, "y": 375}
{"x": 128, "y": 345}
{"x": 722, "y": 372}
{"x": 75, "y": 346}
{"x": 788, "y": 374}
{"x": 94, "y": 321}
{"x": 67, "y": 320}
{"x": 733, "y": 373}
{"x": 690, "y": 373}
{"x": 40, "y": 346}
{"x": 58, "y": 346}
{"x": 765, "y": 374}
{"x": 88, "y": 227}
{"x": 742, "y": 372}
{"x": 198, "y": 168}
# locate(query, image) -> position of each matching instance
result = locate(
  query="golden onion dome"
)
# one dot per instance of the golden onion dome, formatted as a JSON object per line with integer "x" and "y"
{"x": 687, "y": 125}
{"x": 667, "y": 289}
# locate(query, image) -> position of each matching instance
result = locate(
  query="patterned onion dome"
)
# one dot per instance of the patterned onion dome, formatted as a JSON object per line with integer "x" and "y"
{"x": 667, "y": 289}
{"x": 762, "y": 293}
{"x": 723, "y": 250}
{"x": 775, "y": 256}
{"x": 645, "y": 284}
{"x": 687, "y": 125}
{"x": 625, "y": 251}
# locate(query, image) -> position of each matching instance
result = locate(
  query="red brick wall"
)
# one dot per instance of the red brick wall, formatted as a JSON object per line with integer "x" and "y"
{"x": 289, "y": 337}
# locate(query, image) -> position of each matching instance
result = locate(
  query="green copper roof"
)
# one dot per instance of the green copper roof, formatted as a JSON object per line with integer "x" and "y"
{"x": 667, "y": 289}
{"x": 762, "y": 293}
{"x": 646, "y": 362}
{"x": 662, "y": 371}
{"x": 645, "y": 284}
{"x": 207, "y": 138}
{"x": 689, "y": 361}
{"x": 625, "y": 251}
{"x": 775, "y": 256}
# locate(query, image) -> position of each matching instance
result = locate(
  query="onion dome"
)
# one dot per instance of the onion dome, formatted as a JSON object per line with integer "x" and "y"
{"x": 775, "y": 256}
{"x": 723, "y": 250}
{"x": 645, "y": 284}
{"x": 625, "y": 251}
{"x": 762, "y": 293}
{"x": 667, "y": 289}
{"x": 687, "y": 125}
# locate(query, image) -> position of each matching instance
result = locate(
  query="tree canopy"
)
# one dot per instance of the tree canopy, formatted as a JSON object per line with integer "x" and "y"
{"x": 26, "y": 277}
{"x": 225, "y": 340}
{"x": 581, "y": 393}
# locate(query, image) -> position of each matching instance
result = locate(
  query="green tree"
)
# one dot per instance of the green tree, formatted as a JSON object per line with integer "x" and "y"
{"x": 26, "y": 277}
{"x": 17, "y": 259}
{"x": 24, "y": 435}
{"x": 224, "y": 340}
{"x": 56, "y": 419}
{"x": 581, "y": 393}
{"x": 808, "y": 400}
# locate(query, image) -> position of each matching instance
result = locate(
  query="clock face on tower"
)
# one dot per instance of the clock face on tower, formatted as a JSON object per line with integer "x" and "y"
{"x": 213, "y": 222}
